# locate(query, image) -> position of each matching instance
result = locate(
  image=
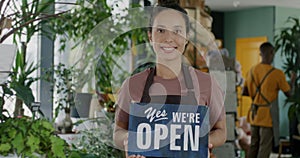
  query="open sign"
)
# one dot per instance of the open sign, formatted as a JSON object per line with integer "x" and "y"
{"x": 168, "y": 130}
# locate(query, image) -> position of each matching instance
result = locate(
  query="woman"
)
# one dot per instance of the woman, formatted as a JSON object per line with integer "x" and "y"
{"x": 170, "y": 82}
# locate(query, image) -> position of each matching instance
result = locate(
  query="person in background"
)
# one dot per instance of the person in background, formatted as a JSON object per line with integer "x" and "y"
{"x": 262, "y": 84}
{"x": 169, "y": 27}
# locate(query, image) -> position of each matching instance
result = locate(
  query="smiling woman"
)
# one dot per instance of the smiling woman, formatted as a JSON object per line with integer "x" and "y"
{"x": 168, "y": 36}
{"x": 170, "y": 82}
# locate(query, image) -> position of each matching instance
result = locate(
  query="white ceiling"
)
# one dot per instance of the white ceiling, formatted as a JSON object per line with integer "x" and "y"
{"x": 230, "y": 5}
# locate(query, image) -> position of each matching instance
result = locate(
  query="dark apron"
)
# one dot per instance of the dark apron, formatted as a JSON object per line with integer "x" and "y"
{"x": 274, "y": 109}
{"x": 189, "y": 99}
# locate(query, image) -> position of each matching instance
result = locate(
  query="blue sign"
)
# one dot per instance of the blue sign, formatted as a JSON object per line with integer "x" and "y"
{"x": 168, "y": 130}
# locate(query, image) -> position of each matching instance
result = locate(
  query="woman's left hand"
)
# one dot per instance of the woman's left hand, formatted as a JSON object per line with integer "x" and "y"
{"x": 126, "y": 150}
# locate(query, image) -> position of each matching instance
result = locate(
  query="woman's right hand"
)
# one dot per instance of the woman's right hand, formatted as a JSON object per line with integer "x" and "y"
{"x": 126, "y": 150}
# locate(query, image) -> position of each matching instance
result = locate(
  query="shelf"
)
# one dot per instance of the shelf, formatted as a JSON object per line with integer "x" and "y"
{"x": 296, "y": 137}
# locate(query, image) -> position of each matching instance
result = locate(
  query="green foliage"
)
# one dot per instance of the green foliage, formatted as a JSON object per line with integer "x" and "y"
{"x": 30, "y": 138}
{"x": 98, "y": 142}
{"x": 81, "y": 25}
{"x": 25, "y": 18}
{"x": 288, "y": 42}
{"x": 109, "y": 59}
{"x": 5, "y": 93}
{"x": 21, "y": 80}
{"x": 63, "y": 82}
{"x": 77, "y": 23}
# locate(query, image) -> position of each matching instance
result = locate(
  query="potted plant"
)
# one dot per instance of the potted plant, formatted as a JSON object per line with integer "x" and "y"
{"x": 14, "y": 16}
{"x": 20, "y": 82}
{"x": 288, "y": 41}
{"x": 98, "y": 143}
{"x": 25, "y": 137}
{"x": 64, "y": 89}
{"x": 85, "y": 18}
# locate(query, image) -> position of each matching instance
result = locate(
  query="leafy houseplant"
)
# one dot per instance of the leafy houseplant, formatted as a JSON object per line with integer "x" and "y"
{"x": 63, "y": 84}
{"x": 288, "y": 41}
{"x": 64, "y": 89}
{"x": 76, "y": 25}
{"x": 24, "y": 28}
{"x": 80, "y": 26}
{"x": 20, "y": 82}
{"x": 30, "y": 138}
{"x": 23, "y": 19}
{"x": 98, "y": 142}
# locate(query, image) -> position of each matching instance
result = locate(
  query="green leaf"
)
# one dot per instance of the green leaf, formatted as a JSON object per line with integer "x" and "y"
{"x": 1, "y": 102}
{"x": 18, "y": 143}
{"x": 4, "y": 147}
{"x": 12, "y": 133}
{"x": 33, "y": 143}
{"x": 24, "y": 93}
{"x": 6, "y": 90}
{"x": 48, "y": 126}
{"x": 56, "y": 147}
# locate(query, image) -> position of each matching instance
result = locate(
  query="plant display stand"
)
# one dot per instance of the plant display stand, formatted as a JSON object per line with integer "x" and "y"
{"x": 228, "y": 150}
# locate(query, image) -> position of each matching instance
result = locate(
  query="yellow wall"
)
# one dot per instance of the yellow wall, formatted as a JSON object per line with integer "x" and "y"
{"x": 247, "y": 53}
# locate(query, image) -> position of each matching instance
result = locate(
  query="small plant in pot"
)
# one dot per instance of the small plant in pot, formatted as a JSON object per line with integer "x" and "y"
{"x": 64, "y": 92}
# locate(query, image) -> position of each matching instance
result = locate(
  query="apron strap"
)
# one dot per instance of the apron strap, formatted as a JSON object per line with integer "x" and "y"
{"x": 258, "y": 86}
{"x": 189, "y": 85}
{"x": 187, "y": 79}
{"x": 146, "y": 97}
{"x": 255, "y": 107}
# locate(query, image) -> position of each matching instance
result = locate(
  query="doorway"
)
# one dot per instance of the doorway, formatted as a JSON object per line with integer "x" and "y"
{"x": 247, "y": 53}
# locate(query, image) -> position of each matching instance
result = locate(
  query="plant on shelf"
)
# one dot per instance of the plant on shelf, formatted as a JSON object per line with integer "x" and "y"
{"x": 98, "y": 142}
{"x": 64, "y": 88}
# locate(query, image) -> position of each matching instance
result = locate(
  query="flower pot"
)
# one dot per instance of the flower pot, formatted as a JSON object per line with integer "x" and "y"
{"x": 82, "y": 105}
{"x": 65, "y": 125}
